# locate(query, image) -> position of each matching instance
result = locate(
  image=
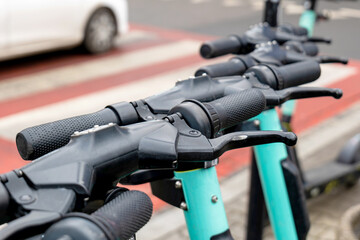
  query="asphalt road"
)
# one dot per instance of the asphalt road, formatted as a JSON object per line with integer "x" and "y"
{"x": 223, "y": 17}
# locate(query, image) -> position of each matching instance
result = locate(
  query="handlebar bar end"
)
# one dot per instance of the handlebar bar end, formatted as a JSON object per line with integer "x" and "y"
{"x": 290, "y": 138}
{"x": 205, "y": 51}
{"x": 24, "y": 148}
{"x": 337, "y": 93}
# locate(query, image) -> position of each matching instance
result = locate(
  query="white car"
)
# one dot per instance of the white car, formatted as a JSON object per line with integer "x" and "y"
{"x": 33, "y": 26}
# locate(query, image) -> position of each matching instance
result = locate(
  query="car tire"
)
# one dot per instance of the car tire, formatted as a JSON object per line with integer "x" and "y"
{"x": 100, "y": 32}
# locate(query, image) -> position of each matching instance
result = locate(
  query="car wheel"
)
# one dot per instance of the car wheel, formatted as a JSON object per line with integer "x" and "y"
{"x": 100, "y": 31}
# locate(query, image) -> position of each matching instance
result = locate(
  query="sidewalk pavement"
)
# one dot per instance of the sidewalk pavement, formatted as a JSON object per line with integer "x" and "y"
{"x": 315, "y": 146}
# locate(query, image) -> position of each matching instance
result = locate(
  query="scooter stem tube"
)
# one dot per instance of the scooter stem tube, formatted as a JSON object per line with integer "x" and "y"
{"x": 205, "y": 216}
{"x": 268, "y": 160}
{"x": 307, "y": 20}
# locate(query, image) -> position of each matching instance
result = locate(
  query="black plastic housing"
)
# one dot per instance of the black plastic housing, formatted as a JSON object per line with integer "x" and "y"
{"x": 308, "y": 48}
{"x": 4, "y": 200}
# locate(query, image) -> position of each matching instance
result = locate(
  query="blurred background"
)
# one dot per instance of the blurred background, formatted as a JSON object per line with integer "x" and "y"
{"x": 222, "y": 17}
{"x": 57, "y": 58}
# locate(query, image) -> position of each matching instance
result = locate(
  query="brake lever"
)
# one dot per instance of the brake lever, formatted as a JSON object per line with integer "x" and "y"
{"x": 246, "y": 139}
{"x": 275, "y": 98}
{"x": 211, "y": 149}
{"x": 204, "y": 149}
{"x": 292, "y": 57}
{"x": 319, "y": 39}
{"x": 329, "y": 59}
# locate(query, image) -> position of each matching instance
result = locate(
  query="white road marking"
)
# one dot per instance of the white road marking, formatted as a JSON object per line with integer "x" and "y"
{"x": 232, "y": 3}
{"x": 134, "y": 36}
{"x": 82, "y": 72}
{"x": 199, "y": 1}
{"x": 331, "y": 73}
{"x": 257, "y": 5}
{"x": 344, "y": 13}
{"x": 293, "y": 9}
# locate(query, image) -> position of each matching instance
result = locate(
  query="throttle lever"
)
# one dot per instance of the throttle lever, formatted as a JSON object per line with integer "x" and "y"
{"x": 251, "y": 138}
{"x": 299, "y": 93}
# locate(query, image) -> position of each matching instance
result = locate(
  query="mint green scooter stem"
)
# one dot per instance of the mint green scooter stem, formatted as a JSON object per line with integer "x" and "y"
{"x": 268, "y": 159}
{"x": 205, "y": 215}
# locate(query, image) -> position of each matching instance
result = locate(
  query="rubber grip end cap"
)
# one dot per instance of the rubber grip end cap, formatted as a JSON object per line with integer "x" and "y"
{"x": 311, "y": 49}
{"x": 337, "y": 93}
{"x": 344, "y": 60}
{"x": 290, "y": 138}
{"x": 328, "y": 40}
{"x": 205, "y": 51}
{"x": 24, "y": 148}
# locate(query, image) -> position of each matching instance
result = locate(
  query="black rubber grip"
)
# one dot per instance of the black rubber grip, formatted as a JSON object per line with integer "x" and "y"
{"x": 125, "y": 214}
{"x": 296, "y": 74}
{"x": 222, "y": 46}
{"x": 230, "y": 68}
{"x": 39, "y": 140}
{"x": 311, "y": 49}
{"x": 235, "y": 108}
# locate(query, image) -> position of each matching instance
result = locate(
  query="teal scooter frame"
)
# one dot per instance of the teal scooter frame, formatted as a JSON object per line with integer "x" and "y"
{"x": 203, "y": 206}
{"x": 204, "y": 210}
{"x": 269, "y": 160}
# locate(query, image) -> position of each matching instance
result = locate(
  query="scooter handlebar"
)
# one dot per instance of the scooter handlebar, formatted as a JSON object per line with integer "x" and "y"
{"x": 297, "y": 74}
{"x": 236, "y": 108}
{"x": 36, "y": 141}
{"x": 230, "y": 68}
{"x": 222, "y": 46}
{"x": 33, "y": 142}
